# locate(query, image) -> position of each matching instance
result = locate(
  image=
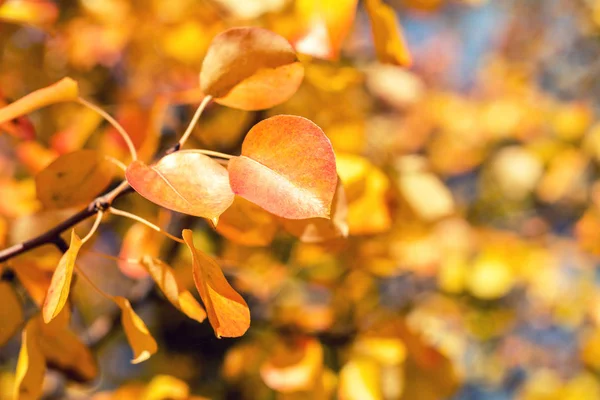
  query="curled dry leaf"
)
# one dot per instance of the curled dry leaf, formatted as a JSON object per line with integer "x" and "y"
{"x": 31, "y": 365}
{"x": 247, "y": 224}
{"x": 59, "y": 289}
{"x": 314, "y": 230}
{"x": 64, "y": 90}
{"x": 73, "y": 179}
{"x": 186, "y": 181}
{"x": 251, "y": 69}
{"x": 387, "y": 34}
{"x": 227, "y": 311}
{"x": 11, "y": 312}
{"x": 287, "y": 167}
{"x": 164, "y": 276}
{"x": 141, "y": 341}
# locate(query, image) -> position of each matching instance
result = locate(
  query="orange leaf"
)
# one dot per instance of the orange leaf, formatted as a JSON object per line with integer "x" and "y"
{"x": 186, "y": 181}
{"x": 31, "y": 366}
{"x": 11, "y": 312}
{"x": 164, "y": 276}
{"x": 314, "y": 230}
{"x": 73, "y": 179}
{"x": 227, "y": 311}
{"x": 387, "y": 34}
{"x": 64, "y": 90}
{"x": 287, "y": 167}
{"x": 141, "y": 341}
{"x": 139, "y": 241}
{"x": 247, "y": 224}
{"x": 59, "y": 289}
{"x": 251, "y": 69}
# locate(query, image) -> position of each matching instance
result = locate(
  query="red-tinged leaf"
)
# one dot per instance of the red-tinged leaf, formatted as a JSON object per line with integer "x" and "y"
{"x": 140, "y": 240}
{"x": 247, "y": 224}
{"x": 73, "y": 179}
{"x": 315, "y": 230}
{"x": 251, "y": 69}
{"x": 59, "y": 289}
{"x": 11, "y": 312}
{"x": 141, "y": 341}
{"x": 164, "y": 276}
{"x": 64, "y": 90}
{"x": 227, "y": 311}
{"x": 287, "y": 167}
{"x": 186, "y": 181}
{"x": 390, "y": 45}
{"x": 31, "y": 366}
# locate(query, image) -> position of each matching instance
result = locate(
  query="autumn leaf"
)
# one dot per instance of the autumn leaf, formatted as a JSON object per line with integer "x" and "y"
{"x": 31, "y": 365}
{"x": 11, "y": 312}
{"x": 59, "y": 289}
{"x": 293, "y": 368}
{"x": 287, "y": 167}
{"x": 227, "y": 311}
{"x": 251, "y": 69}
{"x": 140, "y": 240}
{"x": 387, "y": 34}
{"x": 164, "y": 276}
{"x": 63, "y": 350}
{"x": 360, "y": 380}
{"x": 247, "y": 224}
{"x": 64, "y": 90}
{"x": 314, "y": 230}
{"x": 186, "y": 181}
{"x": 40, "y": 13}
{"x": 73, "y": 179}
{"x": 141, "y": 341}
{"x": 325, "y": 26}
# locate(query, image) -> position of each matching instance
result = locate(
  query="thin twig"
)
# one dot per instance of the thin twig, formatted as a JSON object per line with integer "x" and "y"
{"x": 145, "y": 222}
{"x": 195, "y": 119}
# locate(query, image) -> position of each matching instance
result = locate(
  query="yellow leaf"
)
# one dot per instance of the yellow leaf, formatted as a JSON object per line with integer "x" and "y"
{"x": 141, "y": 341}
{"x": 59, "y": 289}
{"x": 64, "y": 90}
{"x": 164, "y": 276}
{"x": 387, "y": 35}
{"x": 11, "y": 312}
{"x": 163, "y": 387}
{"x": 73, "y": 179}
{"x": 31, "y": 366}
{"x": 227, "y": 311}
{"x": 359, "y": 380}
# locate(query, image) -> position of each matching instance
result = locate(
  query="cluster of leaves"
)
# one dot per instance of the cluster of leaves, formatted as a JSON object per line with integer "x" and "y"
{"x": 409, "y": 239}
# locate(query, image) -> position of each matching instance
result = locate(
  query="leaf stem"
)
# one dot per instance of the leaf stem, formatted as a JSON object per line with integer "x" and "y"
{"x": 114, "y": 123}
{"x": 94, "y": 227}
{"x": 214, "y": 154}
{"x": 145, "y": 222}
{"x": 194, "y": 120}
{"x": 116, "y": 162}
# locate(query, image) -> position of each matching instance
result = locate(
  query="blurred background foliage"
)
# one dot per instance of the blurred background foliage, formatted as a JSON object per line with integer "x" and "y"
{"x": 473, "y": 197}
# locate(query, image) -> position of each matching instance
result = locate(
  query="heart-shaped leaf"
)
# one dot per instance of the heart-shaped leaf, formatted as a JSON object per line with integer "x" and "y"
{"x": 287, "y": 167}
{"x": 141, "y": 341}
{"x": 164, "y": 276}
{"x": 250, "y": 68}
{"x": 64, "y": 90}
{"x": 73, "y": 179}
{"x": 185, "y": 181}
{"x": 59, "y": 289}
{"x": 227, "y": 311}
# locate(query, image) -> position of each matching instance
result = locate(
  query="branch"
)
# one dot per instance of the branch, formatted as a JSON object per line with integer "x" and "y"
{"x": 52, "y": 236}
